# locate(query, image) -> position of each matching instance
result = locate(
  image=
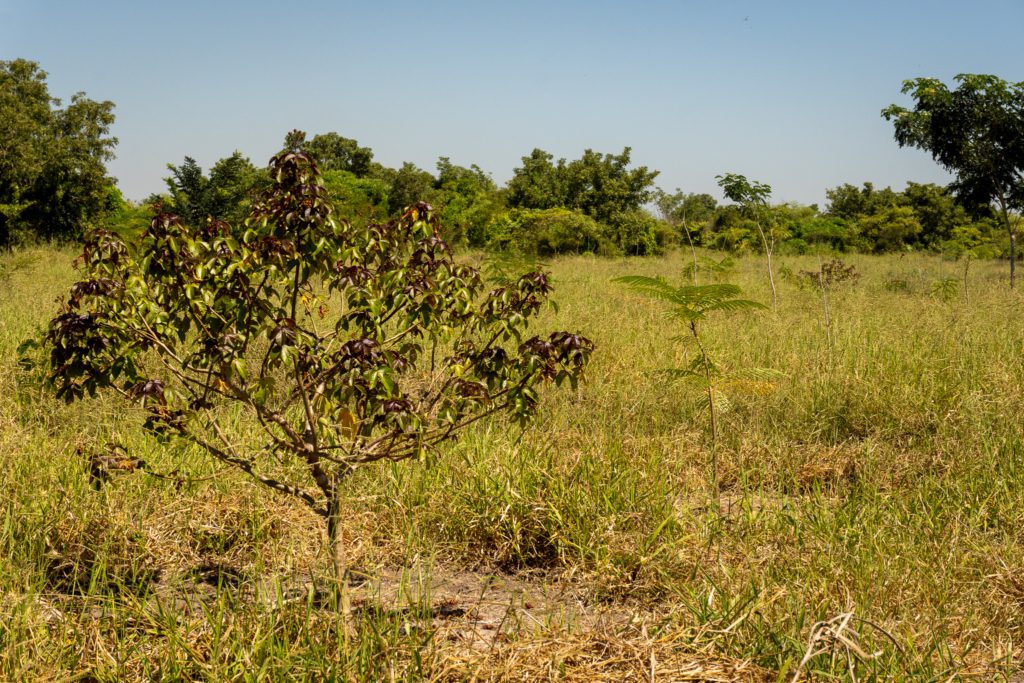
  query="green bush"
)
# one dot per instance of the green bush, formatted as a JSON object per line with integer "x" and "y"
{"x": 735, "y": 238}
{"x": 794, "y": 246}
{"x": 638, "y": 233}
{"x": 546, "y": 232}
{"x": 126, "y": 218}
{"x": 358, "y": 199}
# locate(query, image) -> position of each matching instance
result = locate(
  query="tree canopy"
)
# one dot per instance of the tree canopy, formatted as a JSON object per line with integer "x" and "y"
{"x": 601, "y": 186}
{"x": 53, "y": 177}
{"x": 976, "y": 132}
{"x": 223, "y": 195}
{"x": 337, "y": 153}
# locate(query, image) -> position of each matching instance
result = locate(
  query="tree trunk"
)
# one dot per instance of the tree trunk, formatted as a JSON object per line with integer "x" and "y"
{"x": 967, "y": 267}
{"x": 693, "y": 251}
{"x": 828, "y": 323}
{"x": 1013, "y": 258}
{"x": 711, "y": 411}
{"x": 1013, "y": 240}
{"x": 768, "y": 256}
{"x": 339, "y": 554}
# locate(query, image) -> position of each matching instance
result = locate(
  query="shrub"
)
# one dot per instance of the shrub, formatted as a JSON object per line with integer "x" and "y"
{"x": 360, "y": 199}
{"x": 546, "y": 232}
{"x": 328, "y": 345}
{"x": 638, "y": 233}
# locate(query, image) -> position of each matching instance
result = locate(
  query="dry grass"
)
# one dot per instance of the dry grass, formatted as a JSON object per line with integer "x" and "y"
{"x": 870, "y": 512}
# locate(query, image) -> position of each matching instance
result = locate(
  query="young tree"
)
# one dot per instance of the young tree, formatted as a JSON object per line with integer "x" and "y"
{"x": 298, "y": 348}
{"x": 829, "y": 276}
{"x": 753, "y": 196}
{"x": 691, "y": 305}
{"x": 976, "y": 132}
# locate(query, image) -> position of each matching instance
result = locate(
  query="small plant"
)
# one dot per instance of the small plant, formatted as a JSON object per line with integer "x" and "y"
{"x": 690, "y": 305}
{"x": 298, "y": 348}
{"x": 946, "y": 289}
{"x": 828, "y": 276}
{"x": 705, "y": 264}
{"x": 898, "y": 285}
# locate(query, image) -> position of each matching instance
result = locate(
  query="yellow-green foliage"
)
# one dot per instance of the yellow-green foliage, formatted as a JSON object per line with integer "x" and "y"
{"x": 884, "y": 479}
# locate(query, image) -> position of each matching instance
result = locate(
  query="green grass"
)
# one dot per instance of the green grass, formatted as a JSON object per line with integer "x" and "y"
{"x": 884, "y": 478}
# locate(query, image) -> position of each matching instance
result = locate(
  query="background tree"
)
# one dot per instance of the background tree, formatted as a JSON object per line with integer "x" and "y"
{"x": 53, "y": 177}
{"x": 547, "y": 232}
{"x": 937, "y": 211}
{"x": 224, "y": 195}
{"x": 601, "y": 186}
{"x": 334, "y": 152}
{"x": 976, "y": 132}
{"x": 468, "y": 199}
{"x": 604, "y": 187}
{"x": 890, "y": 229}
{"x": 923, "y": 215}
{"x": 410, "y": 185}
{"x": 25, "y": 111}
{"x": 687, "y": 213}
{"x": 360, "y": 200}
{"x": 537, "y": 184}
{"x": 850, "y": 202}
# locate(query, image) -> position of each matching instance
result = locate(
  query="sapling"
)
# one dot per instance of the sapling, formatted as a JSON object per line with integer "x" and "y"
{"x": 946, "y": 289}
{"x": 298, "y": 348}
{"x": 671, "y": 206}
{"x": 690, "y": 305}
{"x": 825, "y": 279}
{"x": 753, "y": 196}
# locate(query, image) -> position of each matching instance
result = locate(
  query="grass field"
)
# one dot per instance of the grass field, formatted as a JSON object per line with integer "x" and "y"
{"x": 869, "y": 521}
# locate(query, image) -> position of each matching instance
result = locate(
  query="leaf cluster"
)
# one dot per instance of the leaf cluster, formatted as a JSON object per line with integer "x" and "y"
{"x": 975, "y": 131}
{"x": 690, "y": 303}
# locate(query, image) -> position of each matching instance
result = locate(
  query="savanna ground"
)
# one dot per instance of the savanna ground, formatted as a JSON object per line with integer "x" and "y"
{"x": 869, "y": 521}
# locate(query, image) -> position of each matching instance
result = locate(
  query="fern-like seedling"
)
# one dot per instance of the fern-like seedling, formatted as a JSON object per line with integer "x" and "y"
{"x": 691, "y": 305}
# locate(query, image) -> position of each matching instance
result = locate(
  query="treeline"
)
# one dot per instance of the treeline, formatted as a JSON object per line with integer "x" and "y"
{"x": 855, "y": 219}
{"x": 54, "y": 185}
{"x": 596, "y": 204}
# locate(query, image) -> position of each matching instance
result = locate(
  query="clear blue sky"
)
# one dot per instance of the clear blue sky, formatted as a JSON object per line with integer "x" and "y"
{"x": 787, "y": 93}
